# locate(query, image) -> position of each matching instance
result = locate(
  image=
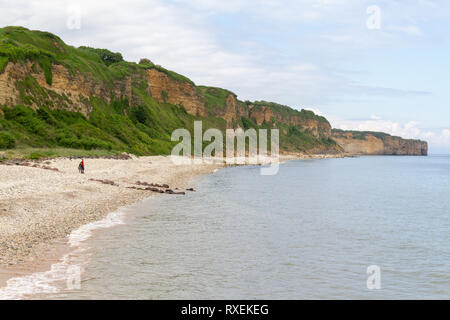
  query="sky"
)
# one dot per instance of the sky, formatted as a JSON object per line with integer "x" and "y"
{"x": 380, "y": 65}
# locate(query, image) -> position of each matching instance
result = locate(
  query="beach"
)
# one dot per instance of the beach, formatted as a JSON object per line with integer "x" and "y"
{"x": 42, "y": 202}
{"x": 40, "y": 207}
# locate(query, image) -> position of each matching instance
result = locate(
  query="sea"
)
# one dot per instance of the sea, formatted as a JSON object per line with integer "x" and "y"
{"x": 373, "y": 227}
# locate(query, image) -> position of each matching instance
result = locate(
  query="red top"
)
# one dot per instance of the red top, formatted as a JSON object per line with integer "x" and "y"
{"x": 82, "y": 163}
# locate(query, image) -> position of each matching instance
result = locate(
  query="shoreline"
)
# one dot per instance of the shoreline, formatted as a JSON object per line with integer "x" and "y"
{"x": 40, "y": 208}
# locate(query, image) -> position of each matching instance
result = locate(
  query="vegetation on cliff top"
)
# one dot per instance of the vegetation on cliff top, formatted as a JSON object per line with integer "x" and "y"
{"x": 362, "y": 135}
{"x": 215, "y": 99}
{"x": 115, "y": 125}
{"x": 288, "y": 111}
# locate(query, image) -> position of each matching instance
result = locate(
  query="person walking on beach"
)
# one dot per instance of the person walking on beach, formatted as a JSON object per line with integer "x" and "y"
{"x": 81, "y": 166}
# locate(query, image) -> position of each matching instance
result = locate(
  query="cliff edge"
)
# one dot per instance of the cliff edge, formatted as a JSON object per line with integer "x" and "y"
{"x": 378, "y": 143}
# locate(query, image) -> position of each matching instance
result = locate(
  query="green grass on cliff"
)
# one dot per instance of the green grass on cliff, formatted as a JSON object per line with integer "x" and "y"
{"x": 48, "y": 120}
{"x": 215, "y": 99}
{"x": 287, "y": 111}
{"x": 145, "y": 130}
{"x": 362, "y": 135}
{"x": 40, "y": 153}
{"x": 3, "y": 62}
{"x": 171, "y": 74}
{"x": 21, "y": 44}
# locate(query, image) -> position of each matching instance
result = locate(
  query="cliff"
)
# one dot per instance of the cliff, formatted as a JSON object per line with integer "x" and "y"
{"x": 309, "y": 122}
{"x": 377, "y": 143}
{"x": 52, "y": 94}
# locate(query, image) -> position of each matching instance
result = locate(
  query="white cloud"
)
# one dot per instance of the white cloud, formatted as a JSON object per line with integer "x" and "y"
{"x": 429, "y": 3}
{"x": 181, "y": 35}
{"x": 286, "y": 10}
{"x": 292, "y": 51}
{"x": 410, "y": 30}
{"x": 316, "y": 111}
{"x": 408, "y": 130}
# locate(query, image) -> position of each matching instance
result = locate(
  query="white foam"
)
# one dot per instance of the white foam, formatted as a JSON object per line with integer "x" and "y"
{"x": 74, "y": 262}
{"x": 85, "y": 232}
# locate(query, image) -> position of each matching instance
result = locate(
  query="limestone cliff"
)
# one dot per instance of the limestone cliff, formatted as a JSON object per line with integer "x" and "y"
{"x": 224, "y": 104}
{"x": 376, "y": 143}
{"x": 25, "y": 83}
{"x": 139, "y": 105}
{"x": 165, "y": 89}
{"x": 265, "y": 114}
{"x": 72, "y": 91}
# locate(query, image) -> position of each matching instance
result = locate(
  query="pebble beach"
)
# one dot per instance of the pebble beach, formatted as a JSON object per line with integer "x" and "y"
{"x": 42, "y": 202}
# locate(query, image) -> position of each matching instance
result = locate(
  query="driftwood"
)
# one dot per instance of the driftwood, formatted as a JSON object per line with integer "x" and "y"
{"x": 105, "y": 181}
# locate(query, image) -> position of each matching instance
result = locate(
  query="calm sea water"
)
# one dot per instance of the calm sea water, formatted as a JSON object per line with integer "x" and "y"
{"x": 309, "y": 232}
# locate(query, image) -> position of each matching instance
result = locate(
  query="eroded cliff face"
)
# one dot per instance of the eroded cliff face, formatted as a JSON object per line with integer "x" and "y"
{"x": 232, "y": 111}
{"x": 179, "y": 93}
{"x": 72, "y": 91}
{"x": 369, "y": 144}
{"x": 261, "y": 114}
{"x": 68, "y": 91}
{"x": 398, "y": 146}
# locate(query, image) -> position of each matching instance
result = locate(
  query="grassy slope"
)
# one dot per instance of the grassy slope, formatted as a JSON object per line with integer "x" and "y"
{"x": 112, "y": 127}
{"x": 362, "y": 135}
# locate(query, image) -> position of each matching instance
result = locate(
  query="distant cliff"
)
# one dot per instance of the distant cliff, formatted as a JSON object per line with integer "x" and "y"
{"x": 377, "y": 143}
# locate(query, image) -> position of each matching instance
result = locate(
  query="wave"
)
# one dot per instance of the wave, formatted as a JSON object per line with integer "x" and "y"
{"x": 67, "y": 271}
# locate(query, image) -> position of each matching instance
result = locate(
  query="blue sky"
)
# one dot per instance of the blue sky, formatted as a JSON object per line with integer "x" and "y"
{"x": 317, "y": 54}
